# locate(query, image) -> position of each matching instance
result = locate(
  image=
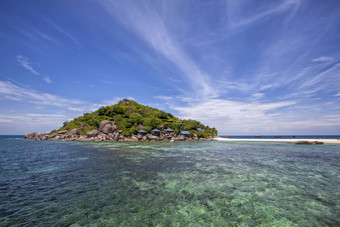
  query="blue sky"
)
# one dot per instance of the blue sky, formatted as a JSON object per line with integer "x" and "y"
{"x": 245, "y": 67}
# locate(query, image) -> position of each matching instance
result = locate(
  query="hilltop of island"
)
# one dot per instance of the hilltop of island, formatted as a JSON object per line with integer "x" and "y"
{"x": 128, "y": 121}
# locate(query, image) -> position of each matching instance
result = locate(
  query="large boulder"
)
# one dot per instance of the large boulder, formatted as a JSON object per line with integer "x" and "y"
{"x": 62, "y": 132}
{"x": 181, "y": 138}
{"x": 134, "y": 138}
{"x": 37, "y": 136}
{"x": 102, "y": 136}
{"x": 73, "y": 131}
{"x": 102, "y": 125}
{"x": 108, "y": 128}
{"x": 116, "y": 136}
{"x": 30, "y": 135}
{"x": 92, "y": 133}
{"x": 155, "y": 138}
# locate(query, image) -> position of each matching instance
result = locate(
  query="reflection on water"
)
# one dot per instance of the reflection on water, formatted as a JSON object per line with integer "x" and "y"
{"x": 168, "y": 184}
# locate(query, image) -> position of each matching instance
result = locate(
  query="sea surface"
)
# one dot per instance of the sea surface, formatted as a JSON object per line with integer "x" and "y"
{"x": 213, "y": 183}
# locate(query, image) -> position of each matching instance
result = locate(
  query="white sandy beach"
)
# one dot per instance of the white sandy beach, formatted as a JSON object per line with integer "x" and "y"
{"x": 326, "y": 141}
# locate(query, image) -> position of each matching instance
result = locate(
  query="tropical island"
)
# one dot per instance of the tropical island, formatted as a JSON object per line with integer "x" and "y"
{"x": 128, "y": 121}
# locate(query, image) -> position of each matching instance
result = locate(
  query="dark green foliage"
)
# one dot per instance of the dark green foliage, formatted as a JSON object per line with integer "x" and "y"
{"x": 128, "y": 114}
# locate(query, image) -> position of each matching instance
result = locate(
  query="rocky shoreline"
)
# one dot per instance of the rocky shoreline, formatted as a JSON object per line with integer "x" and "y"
{"x": 108, "y": 131}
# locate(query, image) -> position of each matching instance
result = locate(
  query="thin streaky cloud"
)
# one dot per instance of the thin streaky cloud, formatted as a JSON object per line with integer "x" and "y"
{"x": 24, "y": 62}
{"x": 47, "y": 79}
{"x": 320, "y": 76}
{"x": 63, "y": 31}
{"x": 146, "y": 22}
{"x": 265, "y": 14}
{"x": 27, "y": 64}
{"x": 9, "y": 90}
{"x": 323, "y": 59}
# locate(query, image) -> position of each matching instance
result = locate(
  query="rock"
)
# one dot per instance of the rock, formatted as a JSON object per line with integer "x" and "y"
{"x": 144, "y": 138}
{"x": 101, "y": 136}
{"x": 82, "y": 125}
{"x": 62, "y": 132}
{"x": 305, "y": 142}
{"x": 30, "y": 135}
{"x": 124, "y": 102}
{"x": 181, "y": 138}
{"x": 139, "y": 136}
{"x": 102, "y": 125}
{"x": 134, "y": 138}
{"x": 116, "y": 137}
{"x": 155, "y": 138}
{"x": 108, "y": 129}
{"x": 92, "y": 133}
{"x": 73, "y": 131}
{"x": 129, "y": 139}
{"x": 37, "y": 136}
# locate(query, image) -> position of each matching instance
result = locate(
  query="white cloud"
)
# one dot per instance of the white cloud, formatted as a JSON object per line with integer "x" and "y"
{"x": 319, "y": 76}
{"x": 237, "y": 19}
{"x": 231, "y": 117}
{"x": 47, "y": 79}
{"x": 338, "y": 94}
{"x": 27, "y": 64}
{"x": 258, "y": 95}
{"x": 63, "y": 31}
{"x": 24, "y": 62}
{"x": 252, "y": 118}
{"x": 162, "y": 97}
{"x": 323, "y": 59}
{"x": 146, "y": 22}
{"x": 9, "y": 90}
{"x": 21, "y": 123}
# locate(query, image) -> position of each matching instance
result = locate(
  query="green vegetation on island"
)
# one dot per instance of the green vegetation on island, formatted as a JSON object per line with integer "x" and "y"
{"x": 130, "y": 117}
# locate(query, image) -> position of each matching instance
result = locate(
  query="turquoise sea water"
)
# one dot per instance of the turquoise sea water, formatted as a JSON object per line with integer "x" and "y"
{"x": 52, "y": 183}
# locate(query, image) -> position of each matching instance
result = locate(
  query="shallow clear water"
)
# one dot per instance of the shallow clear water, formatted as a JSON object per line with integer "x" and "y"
{"x": 51, "y": 183}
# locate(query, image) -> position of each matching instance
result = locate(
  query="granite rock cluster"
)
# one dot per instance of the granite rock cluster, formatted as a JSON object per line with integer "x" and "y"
{"x": 108, "y": 131}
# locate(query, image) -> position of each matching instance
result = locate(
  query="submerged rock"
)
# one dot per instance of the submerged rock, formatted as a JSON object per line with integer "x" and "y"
{"x": 305, "y": 142}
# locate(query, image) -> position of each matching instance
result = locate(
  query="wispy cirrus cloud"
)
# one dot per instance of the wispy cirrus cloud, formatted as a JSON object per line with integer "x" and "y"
{"x": 63, "y": 31}
{"x": 9, "y": 90}
{"x": 234, "y": 118}
{"x": 323, "y": 59}
{"x": 27, "y": 64}
{"x": 16, "y": 92}
{"x": 145, "y": 20}
{"x": 238, "y": 18}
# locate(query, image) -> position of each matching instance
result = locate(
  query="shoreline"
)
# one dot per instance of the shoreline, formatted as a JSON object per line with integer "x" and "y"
{"x": 325, "y": 141}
